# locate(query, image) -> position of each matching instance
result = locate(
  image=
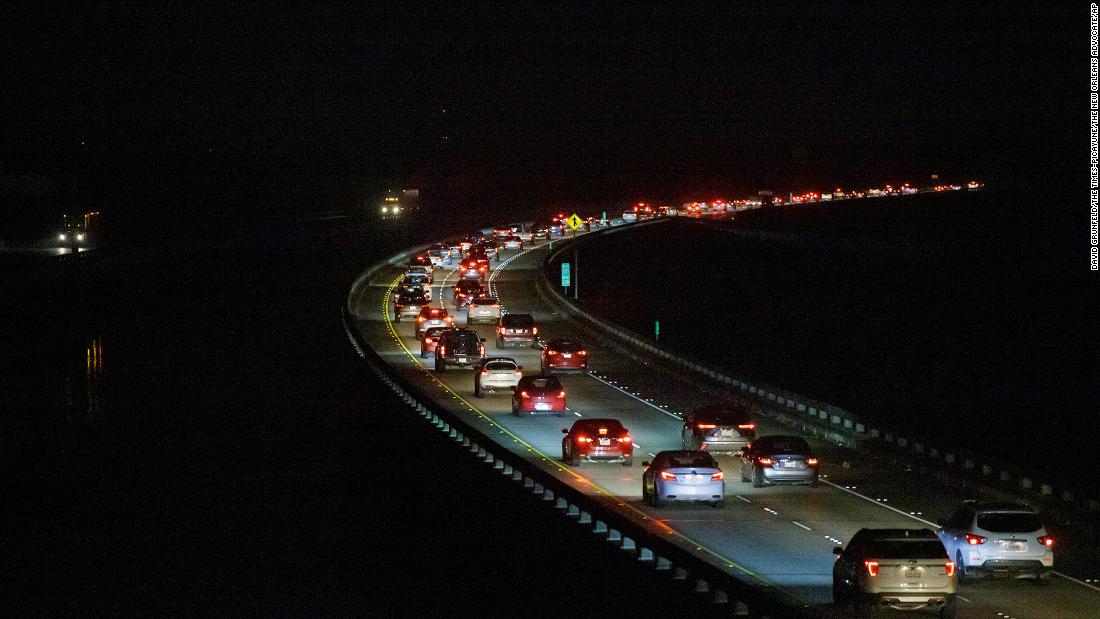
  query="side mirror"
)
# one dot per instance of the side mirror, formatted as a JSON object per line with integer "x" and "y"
{"x": 564, "y": 431}
{"x": 837, "y": 550}
{"x": 645, "y": 464}
{"x": 482, "y": 339}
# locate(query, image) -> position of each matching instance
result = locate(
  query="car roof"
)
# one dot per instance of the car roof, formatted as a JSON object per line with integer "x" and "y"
{"x": 712, "y": 410}
{"x": 587, "y": 423}
{"x": 899, "y": 534}
{"x": 1000, "y": 506}
{"x": 488, "y": 360}
{"x": 564, "y": 341}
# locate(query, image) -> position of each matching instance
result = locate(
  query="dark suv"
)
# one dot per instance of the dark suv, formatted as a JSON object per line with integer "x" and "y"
{"x": 718, "y": 427}
{"x": 461, "y": 347}
{"x": 517, "y": 329}
{"x": 465, "y": 290}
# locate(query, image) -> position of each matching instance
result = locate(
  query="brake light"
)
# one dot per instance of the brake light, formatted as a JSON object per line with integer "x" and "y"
{"x": 1046, "y": 540}
{"x": 523, "y": 394}
{"x": 950, "y": 568}
{"x": 518, "y": 373}
{"x": 746, "y": 426}
{"x": 449, "y": 319}
{"x": 718, "y": 475}
{"x": 668, "y": 476}
{"x": 483, "y": 349}
{"x": 765, "y": 461}
{"x": 583, "y": 439}
{"x": 535, "y": 331}
{"x": 427, "y": 340}
{"x": 624, "y": 439}
{"x": 707, "y": 426}
{"x": 974, "y": 540}
{"x": 420, "y": 319}
{"x": 485, "y": 372}
{"x": 496, "y": 304}
{"x": 582, "y": 352}
{"x": 443, "y": 350}
{"x": 811, "y": 461}
{"x": 872, "y": 567}
{"x": 551, "y": 352}
{"x": 562, "y": 394}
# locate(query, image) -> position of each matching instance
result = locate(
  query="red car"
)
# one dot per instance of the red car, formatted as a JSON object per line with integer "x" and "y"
{"x": 603, "y": 440}
{"x": 430, "y": 340}
{"x": 564, "y": 355}
{"x": 536, "y": 395}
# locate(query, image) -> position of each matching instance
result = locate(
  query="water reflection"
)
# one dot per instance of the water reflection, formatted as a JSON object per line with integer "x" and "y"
{"x": 85, "y": 393}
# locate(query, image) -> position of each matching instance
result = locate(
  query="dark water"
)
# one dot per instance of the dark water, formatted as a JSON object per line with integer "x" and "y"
{"x": 191, "y": 432}
{"x": 967, "y": 317}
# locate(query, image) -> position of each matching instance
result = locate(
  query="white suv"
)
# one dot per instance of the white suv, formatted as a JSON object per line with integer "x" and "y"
{"x": 998, "y": 539}
{"x": 902, "y": 569}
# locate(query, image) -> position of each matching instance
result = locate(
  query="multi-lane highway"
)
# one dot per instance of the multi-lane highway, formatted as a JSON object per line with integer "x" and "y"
{"x": 778, "y": 537}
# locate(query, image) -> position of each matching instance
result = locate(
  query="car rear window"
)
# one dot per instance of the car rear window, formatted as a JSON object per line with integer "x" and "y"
{"x": 544, "y": 383}
{"x": 565, "y": 345}
{"x": 485, "y": 301}
{"x": 613, "y": 426}
{"x": 906, "y": 549}
{"x": 500, "y": 365}
{"x": 782, "y": 446}
{"x": 465, "y": 339}
{"x": 725, "y": 417}
{"x": 700, "y": 461}
{"x": 518, "y": 321}
{"x": 1020, "y": 522}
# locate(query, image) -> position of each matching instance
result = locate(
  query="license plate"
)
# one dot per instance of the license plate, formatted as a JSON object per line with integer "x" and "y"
{"x": 462, "y": 359}
{"x": 912, "y": 573}
{"x": 790, "y": 464}
{"x": 567, "y": 355}
{"x": 1017, "y": 546}
{"x": 727, "y": 432}
{"x": 542, "y": 406}
{"x": 605, "y": 441}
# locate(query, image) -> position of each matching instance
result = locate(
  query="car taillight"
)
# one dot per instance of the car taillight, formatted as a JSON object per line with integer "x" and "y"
{"x": 624, "y": 439}
{"x": 523, "y": 394}
{"x": 668, "y": 476}
{"x": 443, "y": 350}
{"x": 765, "y": 461}
{"x": 583, "y": 439}
{"x": 420, "y": 319}
{"x": 582, "y": 352}
{"x": 562, "y": 394}
{"x": 1046, "y": 540}
{"x": 950, "y": 568}
{"x": 483, "y": 349}
{"x": 485, "y": 372}
{"x": 517, "y": 372}
{"x": 746, "y": 426}
{"x": 449, "y": 319}
{"x": 534, "y": 331}
{"x": 811, "y": 461}
{"x": 427, "y": 340}
{"x": 974, "y": 540}
{"x": 551, "y": 352}
{"x": 707, "y": 426}
{"x": 718, "y": 475}
{"x": 872, "y": 567}
{"x": 500, "y": 329}
{"x": 496, "y": 304}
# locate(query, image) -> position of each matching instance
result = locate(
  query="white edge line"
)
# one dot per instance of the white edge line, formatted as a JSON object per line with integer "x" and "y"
{"x": 649, "y": 404}
{"x": 742, "y": 498}
{"x": 799, "y": 524}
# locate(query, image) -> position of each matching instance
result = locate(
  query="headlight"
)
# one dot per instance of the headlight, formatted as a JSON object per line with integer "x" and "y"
{"x": 61, "y": 236}
{"x": 80, "y": 237}
{"x": 385, "y": 209}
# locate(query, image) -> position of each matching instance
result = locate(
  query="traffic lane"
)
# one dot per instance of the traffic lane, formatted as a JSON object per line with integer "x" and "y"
{"x": 789, "y": 578}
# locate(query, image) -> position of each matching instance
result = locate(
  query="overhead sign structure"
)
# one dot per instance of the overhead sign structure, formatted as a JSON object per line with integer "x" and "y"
{"x": 574, "y": 222}
{"x": 565, "y": 274}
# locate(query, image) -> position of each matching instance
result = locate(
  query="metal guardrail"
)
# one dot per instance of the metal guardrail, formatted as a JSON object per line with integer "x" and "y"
{"x": 835, "y": 423}
{"x": 645, "y": 542}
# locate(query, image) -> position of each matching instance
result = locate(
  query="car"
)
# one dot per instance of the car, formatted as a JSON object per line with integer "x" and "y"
{"x": 998, "y": 539}
{"x": 778, "y": 459}
{"x": 513, "y": 242}
{"x": 465, "y": 290}
{"x": 683, "y": 475}
{"x": 524, "y": 236}
{"x": 564, "y": 355}
{"x": 488, "y": 249}
{"x": 419, "y": 269}
{"x": 718, "y": 427}
{"x": 437, "y": 254}
{"x": 483, "y": 309}
{"x": 416, "y": 281}
{"x": 432, "y": 317}
{"x": 597, "y": 440}
{"x": 630, "y": 216}
{"x": 470, "y": 269}
{"x": 501, "y": 233}
{"x": 458, "y": 347}
{"x": 494, "y": 373}
{"x": 902, "y": 569}
{"x": 536, "y": 395}
{"x": 430, "y": 341}
{"x": 540, "y": 232}
{"x": 517, "y": 329}
{"x": 409, "y": 304}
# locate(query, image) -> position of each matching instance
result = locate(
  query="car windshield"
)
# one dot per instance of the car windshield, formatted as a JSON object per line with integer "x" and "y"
{"x": 485, "y": 301}
{"x": 565, "y": 345}
{"x": 782, "y": 445}
{"x": 500, "y": 365}
{"x": 518, "y": 321}
{"x": 1019, "y": 522}
{"x": 692, "y": 461}
{"x": 906, "y": 549}
{"x": 543, "y": 383}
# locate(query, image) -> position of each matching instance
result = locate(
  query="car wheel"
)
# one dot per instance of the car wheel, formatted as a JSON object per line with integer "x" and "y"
{"x": 645, "y": 492}
{"x": 840, "y": 594}
{"x": 657, "y": 500}
{"x": 950, "y": 609}
{"x": 813, "y": 484}
{"x": 423, "y": 354}
{"x": 517, "y": 412}
{"x": 960, "y": 569}
{"x": 477, "y": 390}
{"x": 629, "y": 461}
{"x": 1042, "y": 580}
{"x": 744, "y": 477}
{"x": 397, "y": 317}
{"x": 500, "y": 344}
{"x": 757, "y": 478}
{"x": 440, "y": 365}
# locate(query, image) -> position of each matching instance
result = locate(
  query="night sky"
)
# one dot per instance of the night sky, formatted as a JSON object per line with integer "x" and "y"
{"x": 503, "y": 106}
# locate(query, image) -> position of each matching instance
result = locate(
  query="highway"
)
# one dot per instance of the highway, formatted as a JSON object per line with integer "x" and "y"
{"x": 779, "y": 537}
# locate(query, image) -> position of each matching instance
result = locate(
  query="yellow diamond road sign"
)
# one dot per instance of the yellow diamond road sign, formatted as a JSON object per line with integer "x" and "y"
{"x": 574, "y": 222}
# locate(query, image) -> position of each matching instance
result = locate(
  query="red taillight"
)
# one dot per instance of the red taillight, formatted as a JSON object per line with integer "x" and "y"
{"x": 872, "y": 567}
{"x": 485, "y": 372}
{"x": 765, "y": 461}
{"x": 582, "y": 352}
{"x": 523, "y": 394}
{"x": 535, "y": 331}
{"x": 974, "y": 540}
{"x": 427, "y": 340}
{"x": 551, "y": 352}
{"x": 707, "y": 426}
{"x": 950, "y": 568}
{"x": 443, "y": 350}
{"x": 811, "y": 461}
{"x": 562, "y": 394}
{"x": 420, "y": 319}
{"x": 1046, "y": 540}
{"x": 449, "y": 319}
{"x": 496, "y": 304}
{"x": 668, "y": 476}
{"x": 483, "y": 349}
{"x": 746, "y": 426}
{"x": 718, "y": 475}
{"x": 518, "y": 372}
{"x": 583, "y": 439}
{"x": 624, "y": 439}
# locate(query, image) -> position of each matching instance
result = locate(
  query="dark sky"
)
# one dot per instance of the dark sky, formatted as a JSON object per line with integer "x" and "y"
{"x": 545, "y": 103}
